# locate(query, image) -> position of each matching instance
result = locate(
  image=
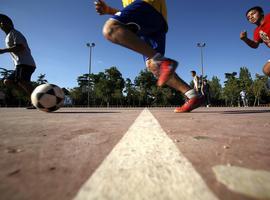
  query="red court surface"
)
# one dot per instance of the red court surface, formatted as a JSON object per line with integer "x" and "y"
{"x": 51, "y": 155}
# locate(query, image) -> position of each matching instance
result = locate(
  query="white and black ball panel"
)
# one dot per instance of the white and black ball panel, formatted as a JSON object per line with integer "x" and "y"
{"x": 47, "y": 97}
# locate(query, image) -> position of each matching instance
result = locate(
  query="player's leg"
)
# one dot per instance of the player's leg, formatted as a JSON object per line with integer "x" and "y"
{"x": 174, "y": 81}
{"x": 141, "y": 28}
{"x": 128, "y": 28}
{"x": 121, "y": 34}
{"x": 194, "y": 100}
{"x": 266, "y": 69}
{"x": 24, "y": 82}
{"x": 10, "y": 81}
{"x": 244, "y": 101}
{"x": 26, "y": 86}
{"x": 19, "y": 79}
{"x": 24, "y": 78}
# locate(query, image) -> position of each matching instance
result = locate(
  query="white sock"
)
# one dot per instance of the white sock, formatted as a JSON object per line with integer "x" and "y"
{"x": 191, "y": 94}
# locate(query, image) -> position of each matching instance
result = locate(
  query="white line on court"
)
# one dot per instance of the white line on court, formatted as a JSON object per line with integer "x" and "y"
{"x": 145, "y": 164}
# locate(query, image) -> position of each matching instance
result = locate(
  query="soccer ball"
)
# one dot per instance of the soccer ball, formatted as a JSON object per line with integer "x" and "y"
{"x": 47, "y": 97}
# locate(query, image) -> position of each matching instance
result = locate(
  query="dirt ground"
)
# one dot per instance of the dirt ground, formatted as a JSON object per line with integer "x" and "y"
{"x": 50, "y": 155}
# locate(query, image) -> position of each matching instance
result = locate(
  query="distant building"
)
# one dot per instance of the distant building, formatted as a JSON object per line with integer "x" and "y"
{"x": 67, "y": 100}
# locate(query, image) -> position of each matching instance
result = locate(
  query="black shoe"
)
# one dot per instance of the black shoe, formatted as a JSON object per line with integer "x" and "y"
{"x": 31, "y": 107}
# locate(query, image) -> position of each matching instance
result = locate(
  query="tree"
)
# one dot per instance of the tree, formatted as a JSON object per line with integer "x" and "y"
{"x": 215, "y": 91}
{"x": 245, "y": 82}
{"x": 103, "y": 90}
{"x": 231, "y": 90}
{"x": 130, "y": 92}
{"x": 5, "y": 72}
{"x": 41, "y": 79}
{"x": 109, "y": 88}
{"x": 83, "y": 81}
{"x": 116, "y": 85}
{"x": 258, "y": 88}
{"x": 144, "y": 82}
{"x": 162, "y": 96}
{"x": 151, "y": 95}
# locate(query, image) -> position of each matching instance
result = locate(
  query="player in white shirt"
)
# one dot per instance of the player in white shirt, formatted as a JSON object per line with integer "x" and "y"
{"x": 17, "y": 46}
{"x": 196, "y": 82}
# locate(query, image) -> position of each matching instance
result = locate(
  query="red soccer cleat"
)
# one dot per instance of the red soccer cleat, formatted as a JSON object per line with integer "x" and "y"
{"x": 190, "y": 105}
{"x": 167, "y": 68}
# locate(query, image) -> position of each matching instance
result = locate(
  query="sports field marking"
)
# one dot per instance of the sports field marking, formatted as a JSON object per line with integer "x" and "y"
{"x": 145, "y": 164}
{"x": 253, "y": 183}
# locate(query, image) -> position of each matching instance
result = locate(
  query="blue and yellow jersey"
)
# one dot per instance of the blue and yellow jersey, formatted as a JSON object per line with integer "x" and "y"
{"x": 159, "y": 5}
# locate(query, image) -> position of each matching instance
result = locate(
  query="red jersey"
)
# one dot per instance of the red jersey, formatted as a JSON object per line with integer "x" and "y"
{"x": 262, "y": 32}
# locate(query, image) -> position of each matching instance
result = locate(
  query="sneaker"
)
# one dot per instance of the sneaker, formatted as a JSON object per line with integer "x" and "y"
{"x": 167, "y": 68}
{"x": 190, "y": 104}
{"x": 31, "y": 107}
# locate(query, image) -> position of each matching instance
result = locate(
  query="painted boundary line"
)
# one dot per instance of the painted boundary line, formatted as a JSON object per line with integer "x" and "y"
{"x": 145, "y": 164}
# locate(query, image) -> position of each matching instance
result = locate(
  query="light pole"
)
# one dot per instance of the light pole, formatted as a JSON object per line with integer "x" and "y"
{"x": 90, "y": 59}
{"x": 201, "y": 45}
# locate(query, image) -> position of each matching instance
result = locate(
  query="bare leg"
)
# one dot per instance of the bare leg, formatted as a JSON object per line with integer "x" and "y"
{"x": 266, "y": 69}
{"x": 177, "y": 83}
{"x": 11, "y": 83}
{"x": 22, "y": 85}
{"x": 120, "y": 34}
{"x": 26, "y": 86}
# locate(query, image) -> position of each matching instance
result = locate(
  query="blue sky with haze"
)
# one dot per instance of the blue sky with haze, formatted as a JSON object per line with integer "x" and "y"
{"x": 57, "y": 33}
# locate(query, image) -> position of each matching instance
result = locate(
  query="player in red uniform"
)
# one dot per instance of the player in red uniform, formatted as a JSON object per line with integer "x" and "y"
{"x": 256, "y": 16}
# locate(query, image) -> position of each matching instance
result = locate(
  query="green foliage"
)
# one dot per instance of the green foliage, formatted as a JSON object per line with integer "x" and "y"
{"x": 108, "y": 88}
{"x": 258, "y": 88}
{"x": 231, "y": 91}
{"x": 215, "y": 91}
{"x": 245, "y": 80}
{"x": 255, "y": 90}
{"x": 41, "y": 79}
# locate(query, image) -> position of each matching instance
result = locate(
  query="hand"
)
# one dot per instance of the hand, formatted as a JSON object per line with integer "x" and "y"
{"x": 243, "y": 35}
{"x": 101, "y": 7}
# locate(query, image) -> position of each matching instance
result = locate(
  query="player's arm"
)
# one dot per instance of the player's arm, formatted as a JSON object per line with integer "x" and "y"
{"x": 196, "y": 84}
{"x": 102, "y": 8}
{"x": 249, "y": 42}
{"x": 14, "y": 49}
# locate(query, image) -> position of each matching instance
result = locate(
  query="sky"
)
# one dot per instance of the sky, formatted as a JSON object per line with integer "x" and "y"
{"x": 57, "y": 32}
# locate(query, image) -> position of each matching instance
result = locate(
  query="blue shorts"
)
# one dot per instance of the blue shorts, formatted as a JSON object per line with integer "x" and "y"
{"x": 146, "y": 22}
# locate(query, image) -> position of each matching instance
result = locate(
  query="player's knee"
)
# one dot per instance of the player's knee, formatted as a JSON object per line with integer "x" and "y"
{"x": 109, "y": 30}
{"x": 266, "y": 69}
